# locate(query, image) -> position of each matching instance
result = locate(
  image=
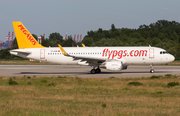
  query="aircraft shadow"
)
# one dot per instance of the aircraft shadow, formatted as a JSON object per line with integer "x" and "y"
{"x": 53, "y": 73}
{"x": 134, "y": 72}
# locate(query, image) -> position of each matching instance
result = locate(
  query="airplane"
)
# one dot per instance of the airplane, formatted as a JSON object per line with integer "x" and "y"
{"x": 110, "y": 58}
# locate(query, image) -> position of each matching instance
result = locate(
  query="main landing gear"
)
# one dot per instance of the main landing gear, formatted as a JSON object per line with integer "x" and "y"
{"x": 151, "y": 69}
{"x": 97, "y": 70}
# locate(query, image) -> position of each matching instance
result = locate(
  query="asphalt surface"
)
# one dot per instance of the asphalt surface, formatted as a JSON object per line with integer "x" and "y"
{"x": 82, "y": 71}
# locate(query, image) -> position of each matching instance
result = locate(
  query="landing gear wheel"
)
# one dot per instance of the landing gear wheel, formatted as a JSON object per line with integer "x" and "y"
{"x": 93, "y": 71}
{"x": 152, "y": 71}
{"x": 98, "y": 70}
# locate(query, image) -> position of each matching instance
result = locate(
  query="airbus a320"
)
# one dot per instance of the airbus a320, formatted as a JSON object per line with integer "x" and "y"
{"x": 111, "y": 58}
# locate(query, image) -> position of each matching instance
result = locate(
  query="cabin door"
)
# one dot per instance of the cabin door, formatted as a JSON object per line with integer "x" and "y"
{"x": 42, "y": 54}
{"x": 151, "y": 52}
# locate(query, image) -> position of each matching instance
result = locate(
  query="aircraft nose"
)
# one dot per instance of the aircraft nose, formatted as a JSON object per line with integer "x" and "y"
{"x": 172, "y": 58}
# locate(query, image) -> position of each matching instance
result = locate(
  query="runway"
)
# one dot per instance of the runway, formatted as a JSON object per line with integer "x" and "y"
{"x": 82, "y": 71}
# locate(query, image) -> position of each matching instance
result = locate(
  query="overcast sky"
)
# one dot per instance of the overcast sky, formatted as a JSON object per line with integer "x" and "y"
{"x": 79, "y": 16}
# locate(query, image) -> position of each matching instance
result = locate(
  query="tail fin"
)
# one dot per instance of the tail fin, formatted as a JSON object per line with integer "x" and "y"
{"x": 24, "y": 38}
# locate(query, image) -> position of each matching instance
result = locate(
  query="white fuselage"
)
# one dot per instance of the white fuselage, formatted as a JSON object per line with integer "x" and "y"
{"x": 128, "y": 55}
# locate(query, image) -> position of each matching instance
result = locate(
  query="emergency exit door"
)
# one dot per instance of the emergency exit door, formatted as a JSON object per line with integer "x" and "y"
{"x": 42, "y": 54}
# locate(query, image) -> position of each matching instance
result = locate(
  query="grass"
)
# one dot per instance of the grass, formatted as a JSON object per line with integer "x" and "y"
{"x": 171, "y": 84}
{"x": 89, "y": 96}
{"x": 154, "y": 77}
{"x": 135, "y": 83}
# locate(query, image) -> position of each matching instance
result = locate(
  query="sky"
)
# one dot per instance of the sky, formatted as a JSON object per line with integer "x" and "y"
{"x": 80, "y": 16}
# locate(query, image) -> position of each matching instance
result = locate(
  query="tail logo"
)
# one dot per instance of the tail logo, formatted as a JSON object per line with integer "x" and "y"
{"x": 28, "y": 35}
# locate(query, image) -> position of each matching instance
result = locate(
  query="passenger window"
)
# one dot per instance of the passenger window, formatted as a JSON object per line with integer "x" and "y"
{"x": 160, "y": 52}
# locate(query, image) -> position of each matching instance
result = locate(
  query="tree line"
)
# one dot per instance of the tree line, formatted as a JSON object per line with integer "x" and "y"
{"x": 164, "y": 34}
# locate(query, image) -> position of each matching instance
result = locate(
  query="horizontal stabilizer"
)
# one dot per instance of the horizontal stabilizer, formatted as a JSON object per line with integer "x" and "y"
{"x": 17, "y": 52}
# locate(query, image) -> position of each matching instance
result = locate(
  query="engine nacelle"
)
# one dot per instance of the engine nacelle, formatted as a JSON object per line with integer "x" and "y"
{"x": 115, "y": 65}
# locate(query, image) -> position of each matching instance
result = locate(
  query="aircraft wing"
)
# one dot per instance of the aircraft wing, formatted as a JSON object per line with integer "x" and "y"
{"x": 90, "y": 60}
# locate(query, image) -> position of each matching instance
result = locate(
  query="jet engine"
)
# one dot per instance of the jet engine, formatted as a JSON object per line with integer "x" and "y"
{"x": 115, "y": 65}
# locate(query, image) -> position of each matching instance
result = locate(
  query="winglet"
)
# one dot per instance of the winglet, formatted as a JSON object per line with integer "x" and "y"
{"x": 62, "y": 50}
{"x": 83, "y": 45}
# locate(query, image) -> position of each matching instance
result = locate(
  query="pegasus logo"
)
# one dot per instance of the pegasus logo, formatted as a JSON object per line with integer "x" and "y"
{"x": 28, "y": 35}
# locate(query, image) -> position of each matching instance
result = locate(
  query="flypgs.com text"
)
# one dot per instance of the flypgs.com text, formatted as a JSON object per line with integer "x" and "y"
{"x": 123, "y": 53}
{"x": 29, "y": 36}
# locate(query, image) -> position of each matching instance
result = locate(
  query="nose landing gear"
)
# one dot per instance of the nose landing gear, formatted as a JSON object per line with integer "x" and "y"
{"x": 151, "y": 69}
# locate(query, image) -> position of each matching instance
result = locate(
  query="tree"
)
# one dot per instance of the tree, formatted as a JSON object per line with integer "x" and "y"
{"x": 155, "y": 41}
{"x": 174, "y": 37}
{"x": 15, "y": 45}
{"x": 68, "y": 42}
{"x": 88, "y": 41}
{"x": 100, "y": 30}
{"x": 90, "y": 34}
{"x": 56, "y": 37}
{"x": 113, "y": 27}
{"x": 4, "y": 54}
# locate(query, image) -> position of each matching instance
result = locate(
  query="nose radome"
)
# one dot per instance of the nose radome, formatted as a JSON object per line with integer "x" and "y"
{"x": 172, "y": 58}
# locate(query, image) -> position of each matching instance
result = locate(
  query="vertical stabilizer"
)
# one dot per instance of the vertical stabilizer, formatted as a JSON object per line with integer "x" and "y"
{"x": 23, "y": 37}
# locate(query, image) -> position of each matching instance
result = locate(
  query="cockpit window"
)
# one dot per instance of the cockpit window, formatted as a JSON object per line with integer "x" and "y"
{"x": 163, "y": 52}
